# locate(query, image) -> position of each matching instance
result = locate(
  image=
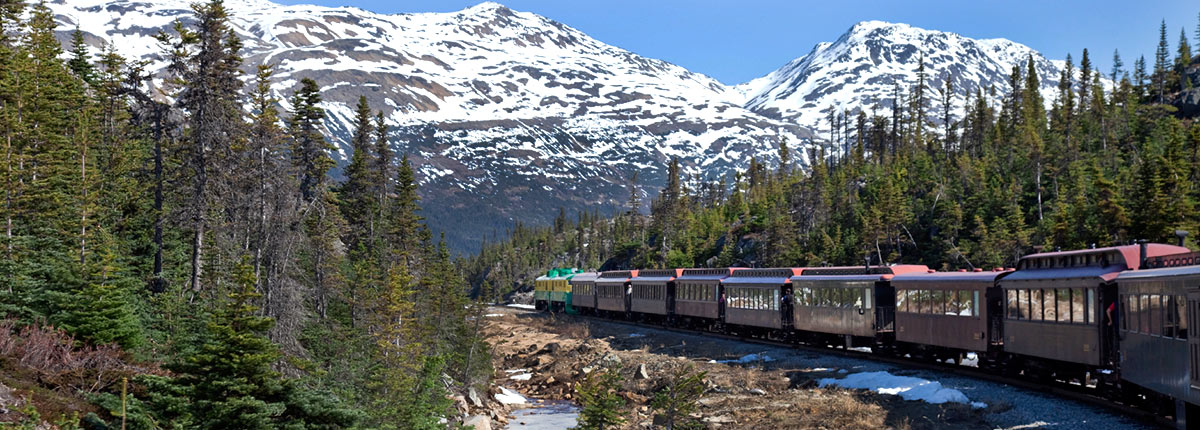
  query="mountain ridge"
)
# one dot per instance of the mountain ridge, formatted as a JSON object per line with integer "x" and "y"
{"x": 506, "y": 115}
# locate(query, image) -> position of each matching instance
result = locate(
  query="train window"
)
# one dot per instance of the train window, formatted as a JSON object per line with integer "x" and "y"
{"x": 963, "y": 302}
{"x": 1062, "y": 301}
{"x": 975, "y": 295}
{"x": 901, "y": 300}
{"x": 952, "y": 302}
{"x": 1014, "y": 306}
{"x": 937, "y": 302}
{"x": 1156, "y": 315}
{"x": 1140, "y": 322}
{"x": 866, "y": 298}
{"x": 1090, "y": 305}
{"x": 1035, "y": 305}
{"x": 1181, "y": 313}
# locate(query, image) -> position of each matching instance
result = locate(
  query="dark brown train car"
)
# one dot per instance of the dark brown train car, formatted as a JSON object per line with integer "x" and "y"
{"x": 846, "y": 301}
{"x": 1055, "y": 301}
{"x": 583, "y": 291}
{"x": 947, "y": 310}
{"x": 651, "y": 291}
{"x": 698, "y": 292}
{"x": 612, "y": 290}
{"x": 1158, "y": 313}
{"x": 752, "y": 296}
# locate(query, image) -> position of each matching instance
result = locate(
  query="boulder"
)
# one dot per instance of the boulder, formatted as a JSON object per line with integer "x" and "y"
{"x": 473, "y": 397}
{"x": 641, "y": 372}
{"x": 757, "y": 392}
{"x": 480, "y": 422}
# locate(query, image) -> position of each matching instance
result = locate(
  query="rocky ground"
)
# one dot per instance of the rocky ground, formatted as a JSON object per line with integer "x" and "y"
{"x": 745, "y": 390}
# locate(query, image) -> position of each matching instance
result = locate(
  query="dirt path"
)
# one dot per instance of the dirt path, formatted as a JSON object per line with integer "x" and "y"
{"x": 749, "y": 386}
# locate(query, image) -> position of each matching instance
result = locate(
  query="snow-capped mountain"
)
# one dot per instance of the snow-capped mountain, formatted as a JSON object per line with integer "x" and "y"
{"x": 859, "y": 71}
{"x": 507, "y": 115}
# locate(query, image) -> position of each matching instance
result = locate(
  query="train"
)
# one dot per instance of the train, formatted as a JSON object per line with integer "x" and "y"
{"x": 1121, "y": 320}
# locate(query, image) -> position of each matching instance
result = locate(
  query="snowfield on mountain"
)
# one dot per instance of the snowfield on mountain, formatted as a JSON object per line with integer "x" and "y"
{"x": 508, "y": 115}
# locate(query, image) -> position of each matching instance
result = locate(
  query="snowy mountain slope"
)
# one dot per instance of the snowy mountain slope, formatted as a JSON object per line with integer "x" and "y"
{"x": 507, "y": 115}
{"x": 860, "y": 69}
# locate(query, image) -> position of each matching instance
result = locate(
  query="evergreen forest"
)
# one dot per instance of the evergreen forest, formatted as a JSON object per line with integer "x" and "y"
{"x": 176, "y": 256}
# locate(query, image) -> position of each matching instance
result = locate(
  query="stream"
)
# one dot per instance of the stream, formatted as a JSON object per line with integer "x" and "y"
{"x": 546, "y": 415}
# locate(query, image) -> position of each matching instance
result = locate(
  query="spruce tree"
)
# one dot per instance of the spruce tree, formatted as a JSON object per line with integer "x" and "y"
{"x": 1161, "y": 68}
{"x": 227, "y": 376}
{"x": 310, "y": 150}
{"x": 601, "y": 401}
{"x": 677, "y": 399}
{"x": 1116, "y": 66}
{"x": 81, "y": 60}
{"x": 357, "y": 194}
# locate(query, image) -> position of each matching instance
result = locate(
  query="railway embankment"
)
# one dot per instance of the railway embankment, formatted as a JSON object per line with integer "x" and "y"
{"x": 750, "y": 385}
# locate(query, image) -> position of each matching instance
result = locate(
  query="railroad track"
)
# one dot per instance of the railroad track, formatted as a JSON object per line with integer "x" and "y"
{"x": 1059, "y": 388}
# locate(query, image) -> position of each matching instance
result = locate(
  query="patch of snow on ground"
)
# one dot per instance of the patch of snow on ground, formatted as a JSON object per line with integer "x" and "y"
{"x": 521, "y": 306}
{"x": 512, "y": 371}
{"x": 493, "y": 315}
{"x": 521, "y": 377}
{"x": 636, "y": 335}
{"x": 750, "y": 358}
{"x": 907, "y": 387}
{"x": 510, "y": 397}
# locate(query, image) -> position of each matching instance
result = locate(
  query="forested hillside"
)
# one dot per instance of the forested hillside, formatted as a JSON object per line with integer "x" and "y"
{"x": 1104, "y": 165}
{"x": 159, "y": 233}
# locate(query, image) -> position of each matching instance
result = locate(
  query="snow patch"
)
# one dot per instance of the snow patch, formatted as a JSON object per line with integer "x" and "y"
{"x": 521, "y": 306}
{"x": 510, "y": 397}
{"x": 521, "y": 377}
{"x": 907, "y": 387}
{"x": 749, "y": 358}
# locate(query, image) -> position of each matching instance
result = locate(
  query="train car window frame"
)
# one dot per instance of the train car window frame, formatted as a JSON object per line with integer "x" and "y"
{"x": 1090, "y": 305}
{"x": 1035, "y": 297}
{"x": 1181, "y": 331}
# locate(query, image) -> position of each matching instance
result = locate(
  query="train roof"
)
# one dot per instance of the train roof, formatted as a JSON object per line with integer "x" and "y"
{"x": 621, "y": 276}
{"x": 585, "y": 277}
{"x": 776, "y": 276}
{"x": 706, "y": 274}
{"x": 1125, "y": 256}
{"x": 951, "y": 277}
{"x": 1104, "y": 273}
{"x": 1162, "y": 272}
{"x": 845, "y": 278}
{"x": 894, "y": 269}
{"x": 659, "y": 275}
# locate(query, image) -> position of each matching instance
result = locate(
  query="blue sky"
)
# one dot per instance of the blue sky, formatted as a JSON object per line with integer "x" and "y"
{"x": 735, "y": 41}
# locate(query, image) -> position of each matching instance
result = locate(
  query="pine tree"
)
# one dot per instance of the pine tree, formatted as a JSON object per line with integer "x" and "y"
{"x": 310, "y": 150}
{"x": 1116, "y": 66}
{"x": 1139, "y": 76}
{"x": 598, "y": 394}
{"x": 227, "y": 377}
{"x": 677, "y": 399}
{"x": 1085, "y": 80}
{"x": 428, "y": 403}
{"x": 81, "y": 61}
{"x": 358, "y": 195}
{"x": 206, "y": 66}
{"x": 1183, "y": 58}
{"x": 1159, "y": 78}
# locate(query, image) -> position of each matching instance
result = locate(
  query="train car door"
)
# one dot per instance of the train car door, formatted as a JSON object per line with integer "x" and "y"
{"x": 1110, "y": 328}
{"x": 884, "y": 296}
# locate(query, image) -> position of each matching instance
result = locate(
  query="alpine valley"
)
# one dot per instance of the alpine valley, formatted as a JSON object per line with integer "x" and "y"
{"x": 508, "y": 115}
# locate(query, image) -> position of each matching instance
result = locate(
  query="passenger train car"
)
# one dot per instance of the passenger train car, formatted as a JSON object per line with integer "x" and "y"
{"x": 1120, "y": 319}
